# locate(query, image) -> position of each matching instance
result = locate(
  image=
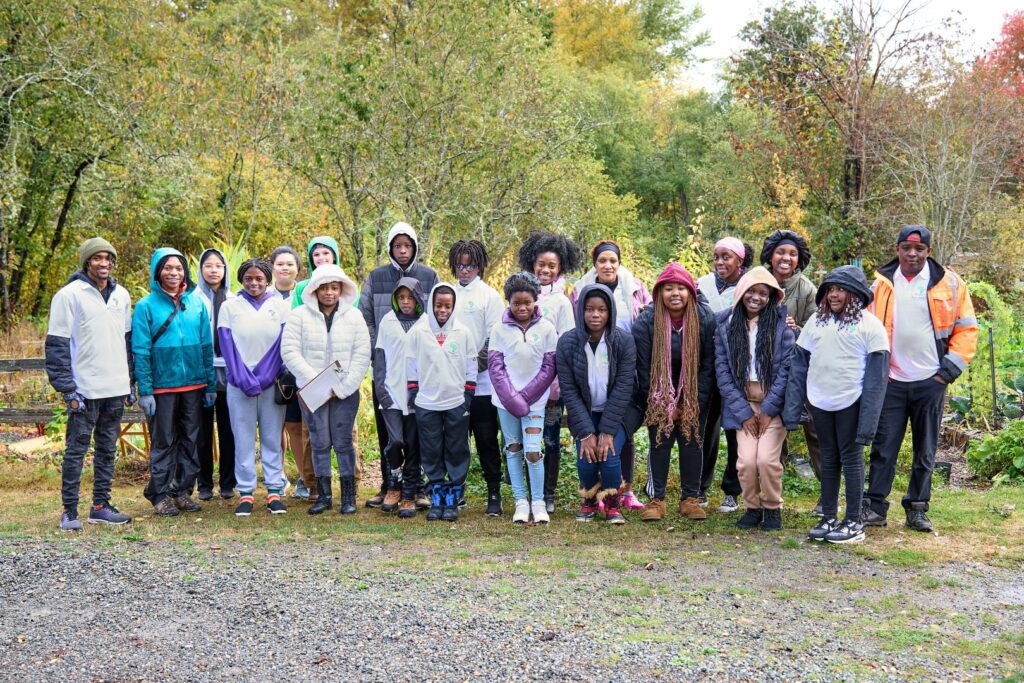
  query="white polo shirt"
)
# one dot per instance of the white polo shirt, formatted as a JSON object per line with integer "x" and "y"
{"x": 96, "y": 328}
{"x": 914, "y": 355}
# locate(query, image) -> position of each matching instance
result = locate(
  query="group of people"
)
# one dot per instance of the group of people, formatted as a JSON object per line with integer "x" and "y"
{"x": 755, "y": 351}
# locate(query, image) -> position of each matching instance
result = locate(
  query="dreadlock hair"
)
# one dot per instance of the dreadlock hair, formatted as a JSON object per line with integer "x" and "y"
{"x": 668, "y": 393}
{"x": 474, "y": 249}
{"x": 739, "y": 342}
{"x": 850, "y": 315}
{"x": 748, "y": 257}
{"x": 537, "y": 243}
{"x": 522, "y": 282}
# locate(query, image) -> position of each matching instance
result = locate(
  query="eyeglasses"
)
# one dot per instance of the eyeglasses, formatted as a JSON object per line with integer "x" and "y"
{"x": 465, "y": 266}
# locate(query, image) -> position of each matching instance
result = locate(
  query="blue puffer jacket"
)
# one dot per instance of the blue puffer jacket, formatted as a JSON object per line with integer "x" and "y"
{"x": 573, "y": 371}
{"x": 183, "y": 356}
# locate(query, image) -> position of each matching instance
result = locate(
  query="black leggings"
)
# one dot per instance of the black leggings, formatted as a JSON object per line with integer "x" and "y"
{"x": 840, "y": 454}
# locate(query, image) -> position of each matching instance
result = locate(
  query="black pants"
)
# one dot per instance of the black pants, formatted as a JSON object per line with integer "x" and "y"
{"x": 382, "y": 441}
{"x": 102, "y": 421}
{"x": 552, "y": 451}
{"x": 628, "y": 459}
{"x": 840, "y": 454}
{"x": 483, "y": 423}
{"x": 712, "y": 438}
{"x": 444, "y": 444}
{"x": 691, "y": 462}
{"x": 403, "y": 449}
{"x": 225, "y": 443}
{"x": 173, "y": 432}
{"x": 920, "y": 402}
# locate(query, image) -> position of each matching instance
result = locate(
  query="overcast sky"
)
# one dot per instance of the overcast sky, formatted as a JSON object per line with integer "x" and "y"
{"x": 723, "y": 19}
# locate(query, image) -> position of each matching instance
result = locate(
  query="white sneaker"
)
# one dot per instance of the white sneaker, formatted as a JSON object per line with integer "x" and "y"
{"x": 522, "y": 513}
{"x": 540, "y": 512}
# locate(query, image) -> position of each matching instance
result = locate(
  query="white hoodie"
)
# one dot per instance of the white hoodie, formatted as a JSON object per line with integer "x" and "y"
{"x": 306, "y": 345}
{"x": 443, "y": 369}
{"x": 479, "y": 307}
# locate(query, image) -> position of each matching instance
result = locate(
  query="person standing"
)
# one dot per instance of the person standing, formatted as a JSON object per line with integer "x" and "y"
{"x": 933, "y": 335}
{"x": 479, "y": 307}
{"x": 374, "y": 304}
{"x": 89, "y": 362}
{"x": 214, "y": 289}
{"x": 172, "y": 342}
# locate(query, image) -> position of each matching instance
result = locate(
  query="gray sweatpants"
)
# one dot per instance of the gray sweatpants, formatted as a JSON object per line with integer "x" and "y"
{"x": 331, "y": 426}
{"x": 247, "y": 413}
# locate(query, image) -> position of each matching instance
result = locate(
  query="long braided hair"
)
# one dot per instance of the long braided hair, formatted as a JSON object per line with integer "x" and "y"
{"x": 665, "y": 394}
{"x": 850, "y": 315}
{"x": 739, "y": 342}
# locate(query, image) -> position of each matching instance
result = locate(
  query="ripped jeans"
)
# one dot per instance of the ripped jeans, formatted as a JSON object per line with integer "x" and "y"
{"x": 528, "y": 433}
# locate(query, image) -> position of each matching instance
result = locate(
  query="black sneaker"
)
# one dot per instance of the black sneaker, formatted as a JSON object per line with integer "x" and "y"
{"x": 549, "y": 504}
{"x": 107, "y": 514}
{"x": 869, "y": 517}
{"x": 227, "y": 494}
{"x": 244, "y": 509}
{"x": 494, "y": 504}
{"x": 850, "y": 531}
{"x": 817, "y": 511}
{"x": 772, "y": 520}
{"x": 702, "y": 500}
{"x": 69, "y": 520}
{"x": 918, "y": 520}
{"x": 205, "y": 494}
{"x": 751, "y": 518}
{"x": 823, "y": 528}
{"x": 276, "y": 507}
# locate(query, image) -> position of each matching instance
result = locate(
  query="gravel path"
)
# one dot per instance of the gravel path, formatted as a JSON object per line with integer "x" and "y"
{"x": 134, "y": 611}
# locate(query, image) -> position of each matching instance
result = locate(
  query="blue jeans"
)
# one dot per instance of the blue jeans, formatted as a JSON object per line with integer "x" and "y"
{"x": 608, "y": 473}
{"x": 516, "y": 430}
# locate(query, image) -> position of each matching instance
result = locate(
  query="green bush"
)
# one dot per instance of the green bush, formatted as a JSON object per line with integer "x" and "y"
{"x": 1000, "y": 456}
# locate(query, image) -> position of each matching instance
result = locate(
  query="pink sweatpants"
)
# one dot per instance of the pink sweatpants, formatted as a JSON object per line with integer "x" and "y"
{"x": 759, "y": 462}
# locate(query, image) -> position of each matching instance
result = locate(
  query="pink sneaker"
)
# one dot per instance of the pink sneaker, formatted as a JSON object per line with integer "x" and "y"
{"x": 600, "y": 505}
{"x": 629, "y": 502}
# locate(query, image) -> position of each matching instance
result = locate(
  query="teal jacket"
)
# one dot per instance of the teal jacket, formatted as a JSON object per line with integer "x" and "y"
{"x": 183, "y": 355}
{"x": 300, "y": 287}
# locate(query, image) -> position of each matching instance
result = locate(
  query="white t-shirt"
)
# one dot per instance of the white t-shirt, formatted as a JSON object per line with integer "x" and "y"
{"x": 96, "y": 328}
{"x": 914, "y": 355}
{"x": 597, "y": 375}
{"x": 835, "y": 378}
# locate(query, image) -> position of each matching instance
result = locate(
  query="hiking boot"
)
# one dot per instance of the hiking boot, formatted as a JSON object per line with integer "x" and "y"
{"x": 817, "y": 509}
{"x": 275, "y": 505}
{"x": 869, "y": 517}
{"x": 205, "y": 494}
{"x": 186, "y": 504}
{"x": 850, "y": 531}
{"x": 522, "y": 513}
{"x": 691, "y": 509}
{"x": 391, "y": 500}
{"x": 588, "y": 510}
{"x": 612, "y": 511}
{"x": 406, "y": 508}
{"x": 244, "y": 507}
{"x": 324, "y": 498}
{"x": 654, "y": 511}
{"x": 702, "y": 500}
{"x": 107, "y": 514}
{"x": 452, "y": 495}
{"x": 166, "y": 508}
{"x": 423, "y": 501}
{"x": 69, "y": 520}
{"x": 729, "y": 504}
{"x": 751, "y": 518}
{"x": 540, "y": 512}
{"x": 823, "y": 528}
{"x": 493, "y": 502}
{"x": 301, "y": 490}
{"x": 377, "y": 500}
{"x": 772, "y": 520}
{"x": 348, "y": 496}
{"x": 917, "y": 519}
{"x": 436, "y": 503}
{"x": 629, "y": 501}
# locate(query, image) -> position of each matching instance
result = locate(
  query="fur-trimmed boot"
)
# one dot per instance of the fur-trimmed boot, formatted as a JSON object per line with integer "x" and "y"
{"x": 588, "y": 508}
{"x": 612, "y": 511}
{"x": 323, "y": 496}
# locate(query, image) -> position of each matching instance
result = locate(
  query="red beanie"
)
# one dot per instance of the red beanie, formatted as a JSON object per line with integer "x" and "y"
{"x": 675, "y": 273}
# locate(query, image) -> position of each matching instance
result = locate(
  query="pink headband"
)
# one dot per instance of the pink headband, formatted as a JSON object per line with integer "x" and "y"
{"x": 734, "y": 245}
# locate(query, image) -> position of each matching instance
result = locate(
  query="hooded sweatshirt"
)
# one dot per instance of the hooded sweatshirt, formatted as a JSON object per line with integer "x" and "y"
{"x": 579, "y": 371}
{"x": 556, "y": 307}
{"x": 300, "y": 287}
{"x": 389, "y": 374}
{"x": 479, "y": 308}
{"x": 630, "y": 296}
{"x": 309, "y": 344}
{"x": 522, "y": 363}
{"x": 214, "y": 300}
{"x": 183, "y": 355}
{"x": 735, "y": 406}
{"x": 250, "y": 339}
{"x": 441, "y": 365}
{"x": 375, "y": 301}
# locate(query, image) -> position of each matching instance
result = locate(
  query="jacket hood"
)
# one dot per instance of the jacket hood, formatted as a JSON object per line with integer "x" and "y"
{"x": 158, "y": 256}
{"x": 401, "y": 228}
{"x": 675, "y": 273}
{"x": 413, "y": 285}
{"x": 850, "y": 278}
{"x": 603, "y": 292}
{"x": 431, "y": 320}
{"x": 756, "y": 276}
{"x": 772, "y": 241}
{"x": 329, "y": 272}
{"x": 201, "y": 284}
{"x": 325, "y": 240}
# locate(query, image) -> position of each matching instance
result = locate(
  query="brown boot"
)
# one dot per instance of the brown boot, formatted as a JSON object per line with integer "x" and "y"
{"x": 391, "y": 499}
{"x": 691, "y": 509}
{"x": 655, "y": 511}
{"x": 406, "y": 508}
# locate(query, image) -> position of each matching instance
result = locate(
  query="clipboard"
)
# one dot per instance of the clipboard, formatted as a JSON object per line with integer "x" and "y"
{"x": 317, "y": 391}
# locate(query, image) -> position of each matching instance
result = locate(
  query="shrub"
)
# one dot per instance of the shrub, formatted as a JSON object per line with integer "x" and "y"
{"x": 1000, "y": 456}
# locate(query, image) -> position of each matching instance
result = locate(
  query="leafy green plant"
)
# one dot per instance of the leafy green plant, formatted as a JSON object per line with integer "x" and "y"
{"x": 1000, "y": 456}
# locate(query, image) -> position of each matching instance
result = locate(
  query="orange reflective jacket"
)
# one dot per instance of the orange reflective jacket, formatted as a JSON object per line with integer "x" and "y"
{"x": 952, "y": 313}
